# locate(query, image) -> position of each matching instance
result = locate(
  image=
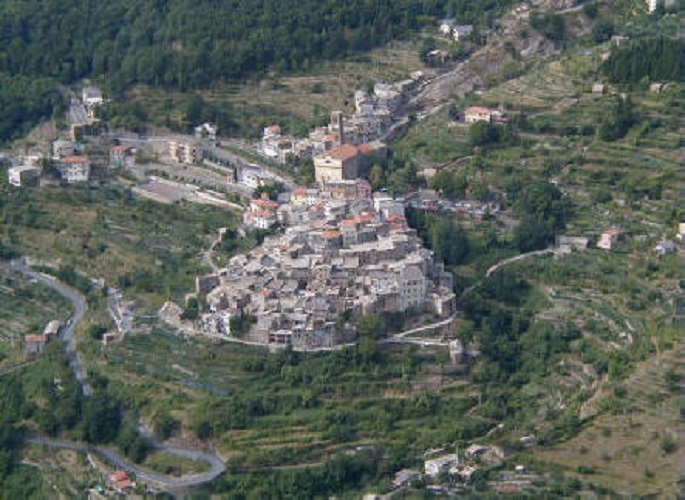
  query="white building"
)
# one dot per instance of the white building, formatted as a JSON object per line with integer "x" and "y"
{"x": 252, "y": 176}
{"x": 23, "y": 175}
{"x": 185, "y": 152}
{"x": 609, "y": 239}
{"x": 435, "y": 466}
{"x": 459, "y": 33}
{"x": 665, "y": 248}
{"x": 260, "y": 219}
{"x": 412, "y": 286}
{"x": 92, "y": 96}
{"x": 478, "y": 113}
{"x": 74, "y": 169}
{"x": 207, "y": 131}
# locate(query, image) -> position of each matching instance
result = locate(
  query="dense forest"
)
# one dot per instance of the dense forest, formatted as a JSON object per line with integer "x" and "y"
{"x": 183, "y": 43}
{"x": 24, "y": 101}
{"x": 659, "y": 59}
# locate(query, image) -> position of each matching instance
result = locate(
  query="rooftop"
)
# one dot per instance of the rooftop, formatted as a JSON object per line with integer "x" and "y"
{"x": 32, "y": 337}
{"x": 479, "y": 109}
{"x": 344, "y": 152}
{"x": 74, "y": 160}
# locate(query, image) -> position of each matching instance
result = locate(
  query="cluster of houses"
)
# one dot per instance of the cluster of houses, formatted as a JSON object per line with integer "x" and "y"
{"x": 73, "y": 165}
{"x": 67, "y": 157}
{"x": 611, "y": 237}
{"x": 458, "y": 467}
{"x": 373, "y": 115}
{"x": 345, "y": 252}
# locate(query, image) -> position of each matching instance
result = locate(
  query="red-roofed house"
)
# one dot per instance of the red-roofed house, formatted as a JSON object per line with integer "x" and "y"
{"x": 120, "y": 481}
{"x": 262, "y": 204}
{"x": 272, "y": 131}
{"x": 260, "y": 219}
{"x": 346, "y": 162}
{"x": 478, "y": 113}
{"x": 609, "y": 239}
{"x": 304, "y": 196}
{"x": 35, "y": 344}
{"x": 74, "y": 168}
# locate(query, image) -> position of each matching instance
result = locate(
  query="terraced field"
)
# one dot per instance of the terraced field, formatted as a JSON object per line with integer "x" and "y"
{"x": 25, "y": 308}
{"x": 627, "y": 446}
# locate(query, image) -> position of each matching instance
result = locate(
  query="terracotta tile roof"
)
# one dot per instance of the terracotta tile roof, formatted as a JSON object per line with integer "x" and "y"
{"x": 479, "y": 110}
{"x": 118, "y": 475}
{"x": 74, "y": 159}
{"x": 124, "y": 484}
{"x": 329, "y": 235}
{"x": 344, "y": 152}
{"x": 366, "y": 148}
{"x": 259, "y": 213}
{"x": 120, "y": 147}
{"x": 349, "y": 223}
{"x": 32, "y": 337}
{"x": 265, "y": 204}
{"x": 300, "y": 192}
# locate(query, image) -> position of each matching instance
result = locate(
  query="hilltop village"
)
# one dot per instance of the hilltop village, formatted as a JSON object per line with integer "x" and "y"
{"x": 345, "y": 252}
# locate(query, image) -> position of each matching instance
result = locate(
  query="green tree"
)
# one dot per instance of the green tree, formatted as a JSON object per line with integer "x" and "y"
{"x": 616, "y": 124}
{"x": 164, "y": 424}
{"x": 377, "y": 176}
{"x": 449, "y": 241}
{"x": 192, "y": 309}
{"x": 531, "y": 234}
{"x": 370, "y": 326}
{"x": 482, "y": 133}
{"x": 602, "y": 31}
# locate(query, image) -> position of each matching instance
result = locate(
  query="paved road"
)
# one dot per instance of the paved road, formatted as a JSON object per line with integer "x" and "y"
{"x": 216, "y": 466}
{"x": 516, "y": 258}
{"x": 207, "y": 255}
{"x": 80, "y": 307}
{"x": 403, "y": 337}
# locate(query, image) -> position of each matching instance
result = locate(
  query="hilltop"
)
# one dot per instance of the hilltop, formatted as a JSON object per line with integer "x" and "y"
{"x": 533, "y": 177}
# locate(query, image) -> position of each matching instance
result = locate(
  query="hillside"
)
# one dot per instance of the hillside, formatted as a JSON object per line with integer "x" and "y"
{"x": 184, "y": 44}
{"x": 571, "y": 350}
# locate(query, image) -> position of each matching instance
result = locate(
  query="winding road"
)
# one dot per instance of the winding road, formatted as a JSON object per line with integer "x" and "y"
{"x": 216, "y": 465}
{"x": 80, "y": 307}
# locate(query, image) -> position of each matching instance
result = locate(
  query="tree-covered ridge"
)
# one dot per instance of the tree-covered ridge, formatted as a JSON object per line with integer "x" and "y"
{"x": 189, "y": 43}
{"x": 659, "y": 59}
{"x": 24, "y": 101}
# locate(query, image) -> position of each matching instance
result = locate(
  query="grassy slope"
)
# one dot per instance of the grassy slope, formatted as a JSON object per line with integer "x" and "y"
{"x": 25, "y": 308}
{"x": 105, "y": 233}
{"x": 622, "y": 449}
{"x": 291, "y": 100}
{"x": 147, "y": 368}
